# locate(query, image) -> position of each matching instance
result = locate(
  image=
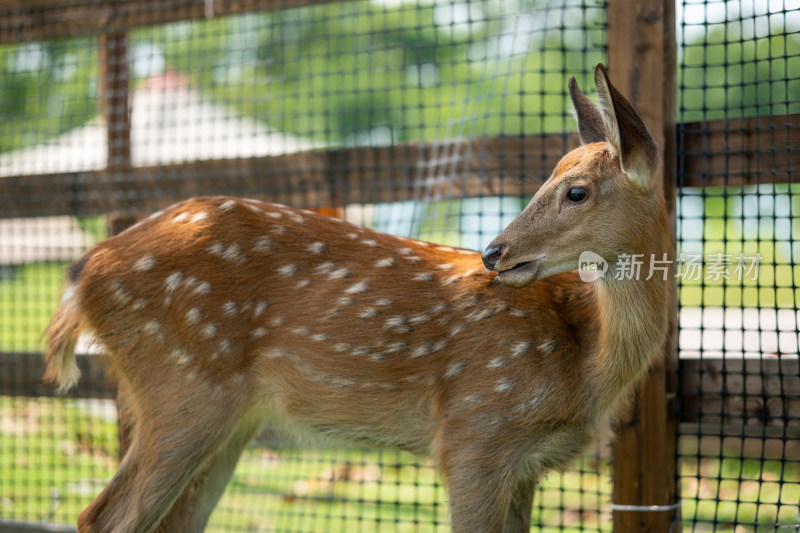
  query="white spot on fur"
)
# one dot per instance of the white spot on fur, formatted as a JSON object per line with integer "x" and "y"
{"x": 180, "y": 356}
{"x": 423, "y": 276}
{"x": 438, "y": 345}
{"x": 227, "y": 205}
{"x": 357, "y": 288}
{"x": 547, "y": 346}
{"x": 231, "y": 253}
{"x": 215, "y": 249}
{"x": 145, "y": 263}
{"x": 209, "y": 331}
{"x": 302, "y": 283}
{"x": 139, "y": 304}
{"x": 181, "y": 217}
{"x": 383, "y": 302}
{"x": 173, "y": 281}
{"x": 259, "y": 332}
{"x": 324, "y": 268}
{"x": 319, "y": 337}
{"x": 340, "y": 273}
{"x": 369, "y": 312}
{"x": 397, "y": 323}
{"x": 202, "y": 288}
{"x": 421, "y": 350}
{"x": 154, "y": 216}
{"x": 202, "y": 215}
{"x": 445, "y": 249}
{"x": 341, "y": 347}
{"x": 278, "y": 230}
{"x": 503, "y": 385}
{"x": 68, "y": 294}
{"x": 316, "y": 247}
{"x": 345, "y": 300}
{"x": 473, "y": 399}
{"x": 404, "y": 251}
{"x": 445, "y": 266}
{"x": 517, "y": 313}
{"x": 419, "y": 319}
{"x": 395, "y": 347}
{"x": 450, "y": 280}
{"x": 369, "y": 242}
{"x": 152, "y": 326}
{"x": 119, "y": 293}
{"x": 277, "y": 321}
{"x": 519, "y": 348}
{"x": 412, "y": 258}
{"x": 497, "y": 362}
{"x": 193, "y": 315}
{"x": 262, "y": 244}
{"x": 296, "y": 218}
{"x": 454, "y": 368}
{"x": 352, "y": 236}
{"x": 455, "y": 330}
{"x": 385, "y": 263}
{"x": 480, "y": 314}
{"x": 230, "y": 308}
{"x": 225, "y": 345}
{"x": 274, "y": 214}
{"x": 261, "y": 306}
{"x": 287, "y": 270}
{"x": 302, "y": 330}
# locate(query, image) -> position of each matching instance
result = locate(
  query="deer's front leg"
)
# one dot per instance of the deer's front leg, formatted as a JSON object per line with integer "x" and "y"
{"x": 479, "y": 479}
{"x": 518, "y": 519}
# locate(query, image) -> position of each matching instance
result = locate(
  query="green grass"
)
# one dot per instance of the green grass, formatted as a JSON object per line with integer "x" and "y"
{"x": 28, "y": 298}
{"x": 55, "y": 455}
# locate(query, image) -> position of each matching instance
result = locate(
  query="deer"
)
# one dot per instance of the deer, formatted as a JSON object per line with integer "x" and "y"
{"x": 220, "y": 314}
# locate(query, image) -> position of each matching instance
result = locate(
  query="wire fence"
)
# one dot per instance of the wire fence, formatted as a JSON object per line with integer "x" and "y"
{"x": 738, "y": 222}
{"x": 430, "y": 120}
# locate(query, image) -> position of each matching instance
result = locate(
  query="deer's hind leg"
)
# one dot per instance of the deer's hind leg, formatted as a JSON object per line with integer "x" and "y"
{"x": 179, "y": 432}
{"x": 191, "y": 511}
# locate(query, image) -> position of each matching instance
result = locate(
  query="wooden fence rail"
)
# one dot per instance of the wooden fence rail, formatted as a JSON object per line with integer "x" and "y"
{"x": 725, "y": 152}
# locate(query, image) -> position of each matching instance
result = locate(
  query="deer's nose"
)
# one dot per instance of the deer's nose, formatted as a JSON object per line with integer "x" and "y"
{"x": 492, "y": 255}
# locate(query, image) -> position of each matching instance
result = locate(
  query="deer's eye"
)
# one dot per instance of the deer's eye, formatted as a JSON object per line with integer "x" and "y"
{"x": 576, "y": 194}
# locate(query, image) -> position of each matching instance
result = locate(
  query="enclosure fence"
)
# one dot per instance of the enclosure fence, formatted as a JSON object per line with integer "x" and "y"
{"x": 438, "y": 121}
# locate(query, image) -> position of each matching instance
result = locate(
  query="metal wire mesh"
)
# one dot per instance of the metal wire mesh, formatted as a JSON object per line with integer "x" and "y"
{"x": 739, "y": 100}
{"x": 432, "y": 120}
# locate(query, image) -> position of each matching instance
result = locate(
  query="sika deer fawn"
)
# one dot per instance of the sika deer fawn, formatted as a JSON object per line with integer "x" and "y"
{"x": 220, "y": 313}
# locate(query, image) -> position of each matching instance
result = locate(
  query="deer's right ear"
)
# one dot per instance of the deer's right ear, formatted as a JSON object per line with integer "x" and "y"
{"x": 590, "y": 122}
{"x": 625, "y": 131}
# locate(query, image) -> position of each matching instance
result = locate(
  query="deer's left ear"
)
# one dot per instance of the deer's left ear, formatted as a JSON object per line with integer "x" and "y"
{"x": 625, "y": 131}
{"x": 590, "y": 123}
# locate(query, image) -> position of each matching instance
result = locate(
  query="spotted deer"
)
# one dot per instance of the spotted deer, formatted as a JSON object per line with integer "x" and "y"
{"x": 219, "y": 314}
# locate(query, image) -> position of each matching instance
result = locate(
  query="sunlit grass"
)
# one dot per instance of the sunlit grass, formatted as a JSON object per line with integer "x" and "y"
{"x": 56, "y": 455}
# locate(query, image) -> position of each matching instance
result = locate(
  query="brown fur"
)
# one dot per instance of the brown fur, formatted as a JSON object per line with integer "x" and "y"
{"x": 221, "y": 313}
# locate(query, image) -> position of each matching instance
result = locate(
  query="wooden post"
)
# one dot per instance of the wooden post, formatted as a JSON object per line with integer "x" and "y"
{"x": 642, "y": 64}
{"x": 115, "y": 102}
{"x": 114, "y": 83}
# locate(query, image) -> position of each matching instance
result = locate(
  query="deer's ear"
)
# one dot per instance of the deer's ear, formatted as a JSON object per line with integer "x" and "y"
{"x": 590, "y": 123}
{"x": 625, "y": 131}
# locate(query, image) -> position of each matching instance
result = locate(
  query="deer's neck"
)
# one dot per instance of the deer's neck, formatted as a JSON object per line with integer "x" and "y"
{"x": 632, "y": 323}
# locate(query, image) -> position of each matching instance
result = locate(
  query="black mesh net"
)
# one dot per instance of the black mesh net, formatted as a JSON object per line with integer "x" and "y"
{"x": 739, "y": 98}
{"x": 431, "y": 120}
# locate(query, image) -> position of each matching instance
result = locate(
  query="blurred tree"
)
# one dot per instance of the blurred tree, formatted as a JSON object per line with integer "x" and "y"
{"x": 46, "y": 88}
